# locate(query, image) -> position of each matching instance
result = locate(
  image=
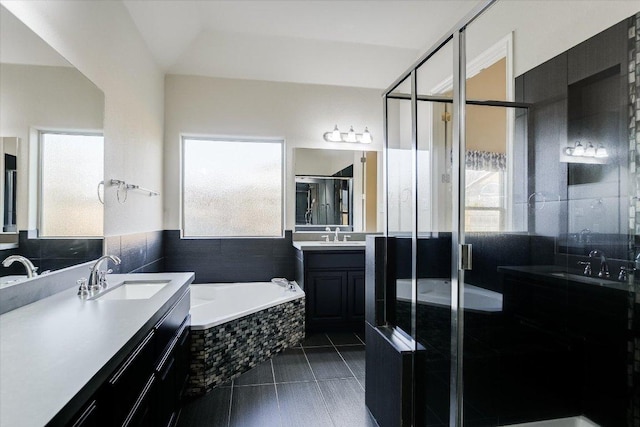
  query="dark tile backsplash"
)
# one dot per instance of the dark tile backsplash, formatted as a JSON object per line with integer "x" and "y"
{"x": 490, "y": 250}
{"x": 230, "y": 260}
{"x": 139, "y": 252}
{"x": 52, "y": 254}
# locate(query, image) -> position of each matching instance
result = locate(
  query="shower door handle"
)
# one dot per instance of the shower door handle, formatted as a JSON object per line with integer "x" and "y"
{"x": 465, "y": 257}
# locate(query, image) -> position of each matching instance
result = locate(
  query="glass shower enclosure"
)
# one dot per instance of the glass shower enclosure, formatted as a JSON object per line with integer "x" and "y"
{"x": 514, "y": 228}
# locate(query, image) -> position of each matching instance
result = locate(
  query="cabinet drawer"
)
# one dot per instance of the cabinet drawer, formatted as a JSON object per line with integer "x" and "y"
{"x": 141, "y": 414}
{"x": 335, "y": 260}
{"x": 167, "y": 328}
{"x": 89, "y": 416}
{"x": 125, "y": 384}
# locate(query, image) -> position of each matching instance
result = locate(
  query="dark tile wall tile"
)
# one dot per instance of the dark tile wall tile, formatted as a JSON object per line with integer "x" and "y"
{"x": 154, "y": 267}
{"x": 230, "y": 260}
{"x": 133, "y": 248}
{"x": 491, "y": 250}
{"x": 29, "y": 248}
{"x": 154, "y": 246}
{"x": 52, "y": 254}
{"x": 139, "y": 252}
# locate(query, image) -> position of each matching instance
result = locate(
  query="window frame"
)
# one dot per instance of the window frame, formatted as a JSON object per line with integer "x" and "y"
{"x": 40, "y": 164}
{"x": 239, "y": 139}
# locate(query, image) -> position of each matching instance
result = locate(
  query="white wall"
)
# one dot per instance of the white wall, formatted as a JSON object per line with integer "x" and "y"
{"x": 46, "y": 98}
{"x": 544, "y": 29}
{"x": 100, "y": 39}
{"x": 541, "y": 30}
{"x": 298, "y": 113}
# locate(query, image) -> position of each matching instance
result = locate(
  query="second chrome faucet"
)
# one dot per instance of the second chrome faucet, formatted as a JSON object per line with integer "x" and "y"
{"x": 604, "y": 267}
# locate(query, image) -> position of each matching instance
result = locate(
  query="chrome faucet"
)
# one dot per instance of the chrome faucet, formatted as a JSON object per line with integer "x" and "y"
{"x": 28, "y": 265}
{"x": 335, "y": 236}
{"x": 604, "y": 267}
{"x": 97, "y": 279}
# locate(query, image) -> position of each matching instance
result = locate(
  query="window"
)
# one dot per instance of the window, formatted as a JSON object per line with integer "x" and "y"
{"x": 484, "y": 201}
{"x": 232, "y": 188}
{"x": 71, "y": 166}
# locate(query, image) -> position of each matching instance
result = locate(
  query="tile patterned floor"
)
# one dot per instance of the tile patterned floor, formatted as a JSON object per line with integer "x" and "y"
{"x": 320, "y": 383}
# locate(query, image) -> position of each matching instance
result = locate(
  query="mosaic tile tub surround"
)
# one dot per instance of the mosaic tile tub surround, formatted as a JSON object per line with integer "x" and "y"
{"x": 223, "y": 352}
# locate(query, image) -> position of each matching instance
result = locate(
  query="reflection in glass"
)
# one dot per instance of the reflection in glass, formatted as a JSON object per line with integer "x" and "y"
{"x": 71, "y": 168}
{"x": 324, "y": 201}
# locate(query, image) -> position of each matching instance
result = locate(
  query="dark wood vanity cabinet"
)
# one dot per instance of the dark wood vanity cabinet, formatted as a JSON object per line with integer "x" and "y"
{"x": 334, "y": 287}
{"x": 146, "y": 388}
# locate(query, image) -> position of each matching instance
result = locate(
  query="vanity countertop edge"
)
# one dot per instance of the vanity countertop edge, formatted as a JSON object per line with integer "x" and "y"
{"x": 59, "y": 349}
{"x": 329, "y": 246}
{"x": 546, "y": 273}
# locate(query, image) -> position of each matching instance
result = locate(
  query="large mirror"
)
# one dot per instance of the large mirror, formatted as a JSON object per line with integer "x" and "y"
{"x": 52, "y": 156}
{"x": 336, "y": 188}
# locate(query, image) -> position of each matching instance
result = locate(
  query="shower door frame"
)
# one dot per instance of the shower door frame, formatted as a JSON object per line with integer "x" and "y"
{"x": 459, "y": 263}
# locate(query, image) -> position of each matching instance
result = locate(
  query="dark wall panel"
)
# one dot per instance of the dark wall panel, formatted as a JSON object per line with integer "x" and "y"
{"x": 230, "y": 260}
{"x": 139, "y": 252}
{"x": 51, "y": 254}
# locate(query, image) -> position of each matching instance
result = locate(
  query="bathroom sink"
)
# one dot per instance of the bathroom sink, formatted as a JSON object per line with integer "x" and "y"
{"x": 133, "y": 289}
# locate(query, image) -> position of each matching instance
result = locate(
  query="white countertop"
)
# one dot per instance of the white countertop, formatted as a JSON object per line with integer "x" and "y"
{"x": 52, "y": 348}
{"x": 352, "y": 245}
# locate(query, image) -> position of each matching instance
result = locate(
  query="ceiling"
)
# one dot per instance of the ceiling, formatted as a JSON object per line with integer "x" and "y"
{"x": 20, "y": 45}
{"x": 335, "y": 42}
{"x": 346, "y": 43}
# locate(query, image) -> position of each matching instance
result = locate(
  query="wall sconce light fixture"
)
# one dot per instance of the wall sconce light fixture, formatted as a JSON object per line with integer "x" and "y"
{"x": 580, "y": 150}
{"x": 336, "y": 136}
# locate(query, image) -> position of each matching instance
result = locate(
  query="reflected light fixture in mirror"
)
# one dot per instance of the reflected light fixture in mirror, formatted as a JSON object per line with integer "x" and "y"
{"x": 336, "y": 136}
{"x": 579, "y": 150}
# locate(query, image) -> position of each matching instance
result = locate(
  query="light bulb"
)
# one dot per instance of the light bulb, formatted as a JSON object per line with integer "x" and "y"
{"x": 351, "y": 136}
{"x": 335, "y": 135}
{"x": 366, "y": 136}
{"x": 579, "y": 150}
{"x": 590, "y": 151}
{"x": 601, "y": 152}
